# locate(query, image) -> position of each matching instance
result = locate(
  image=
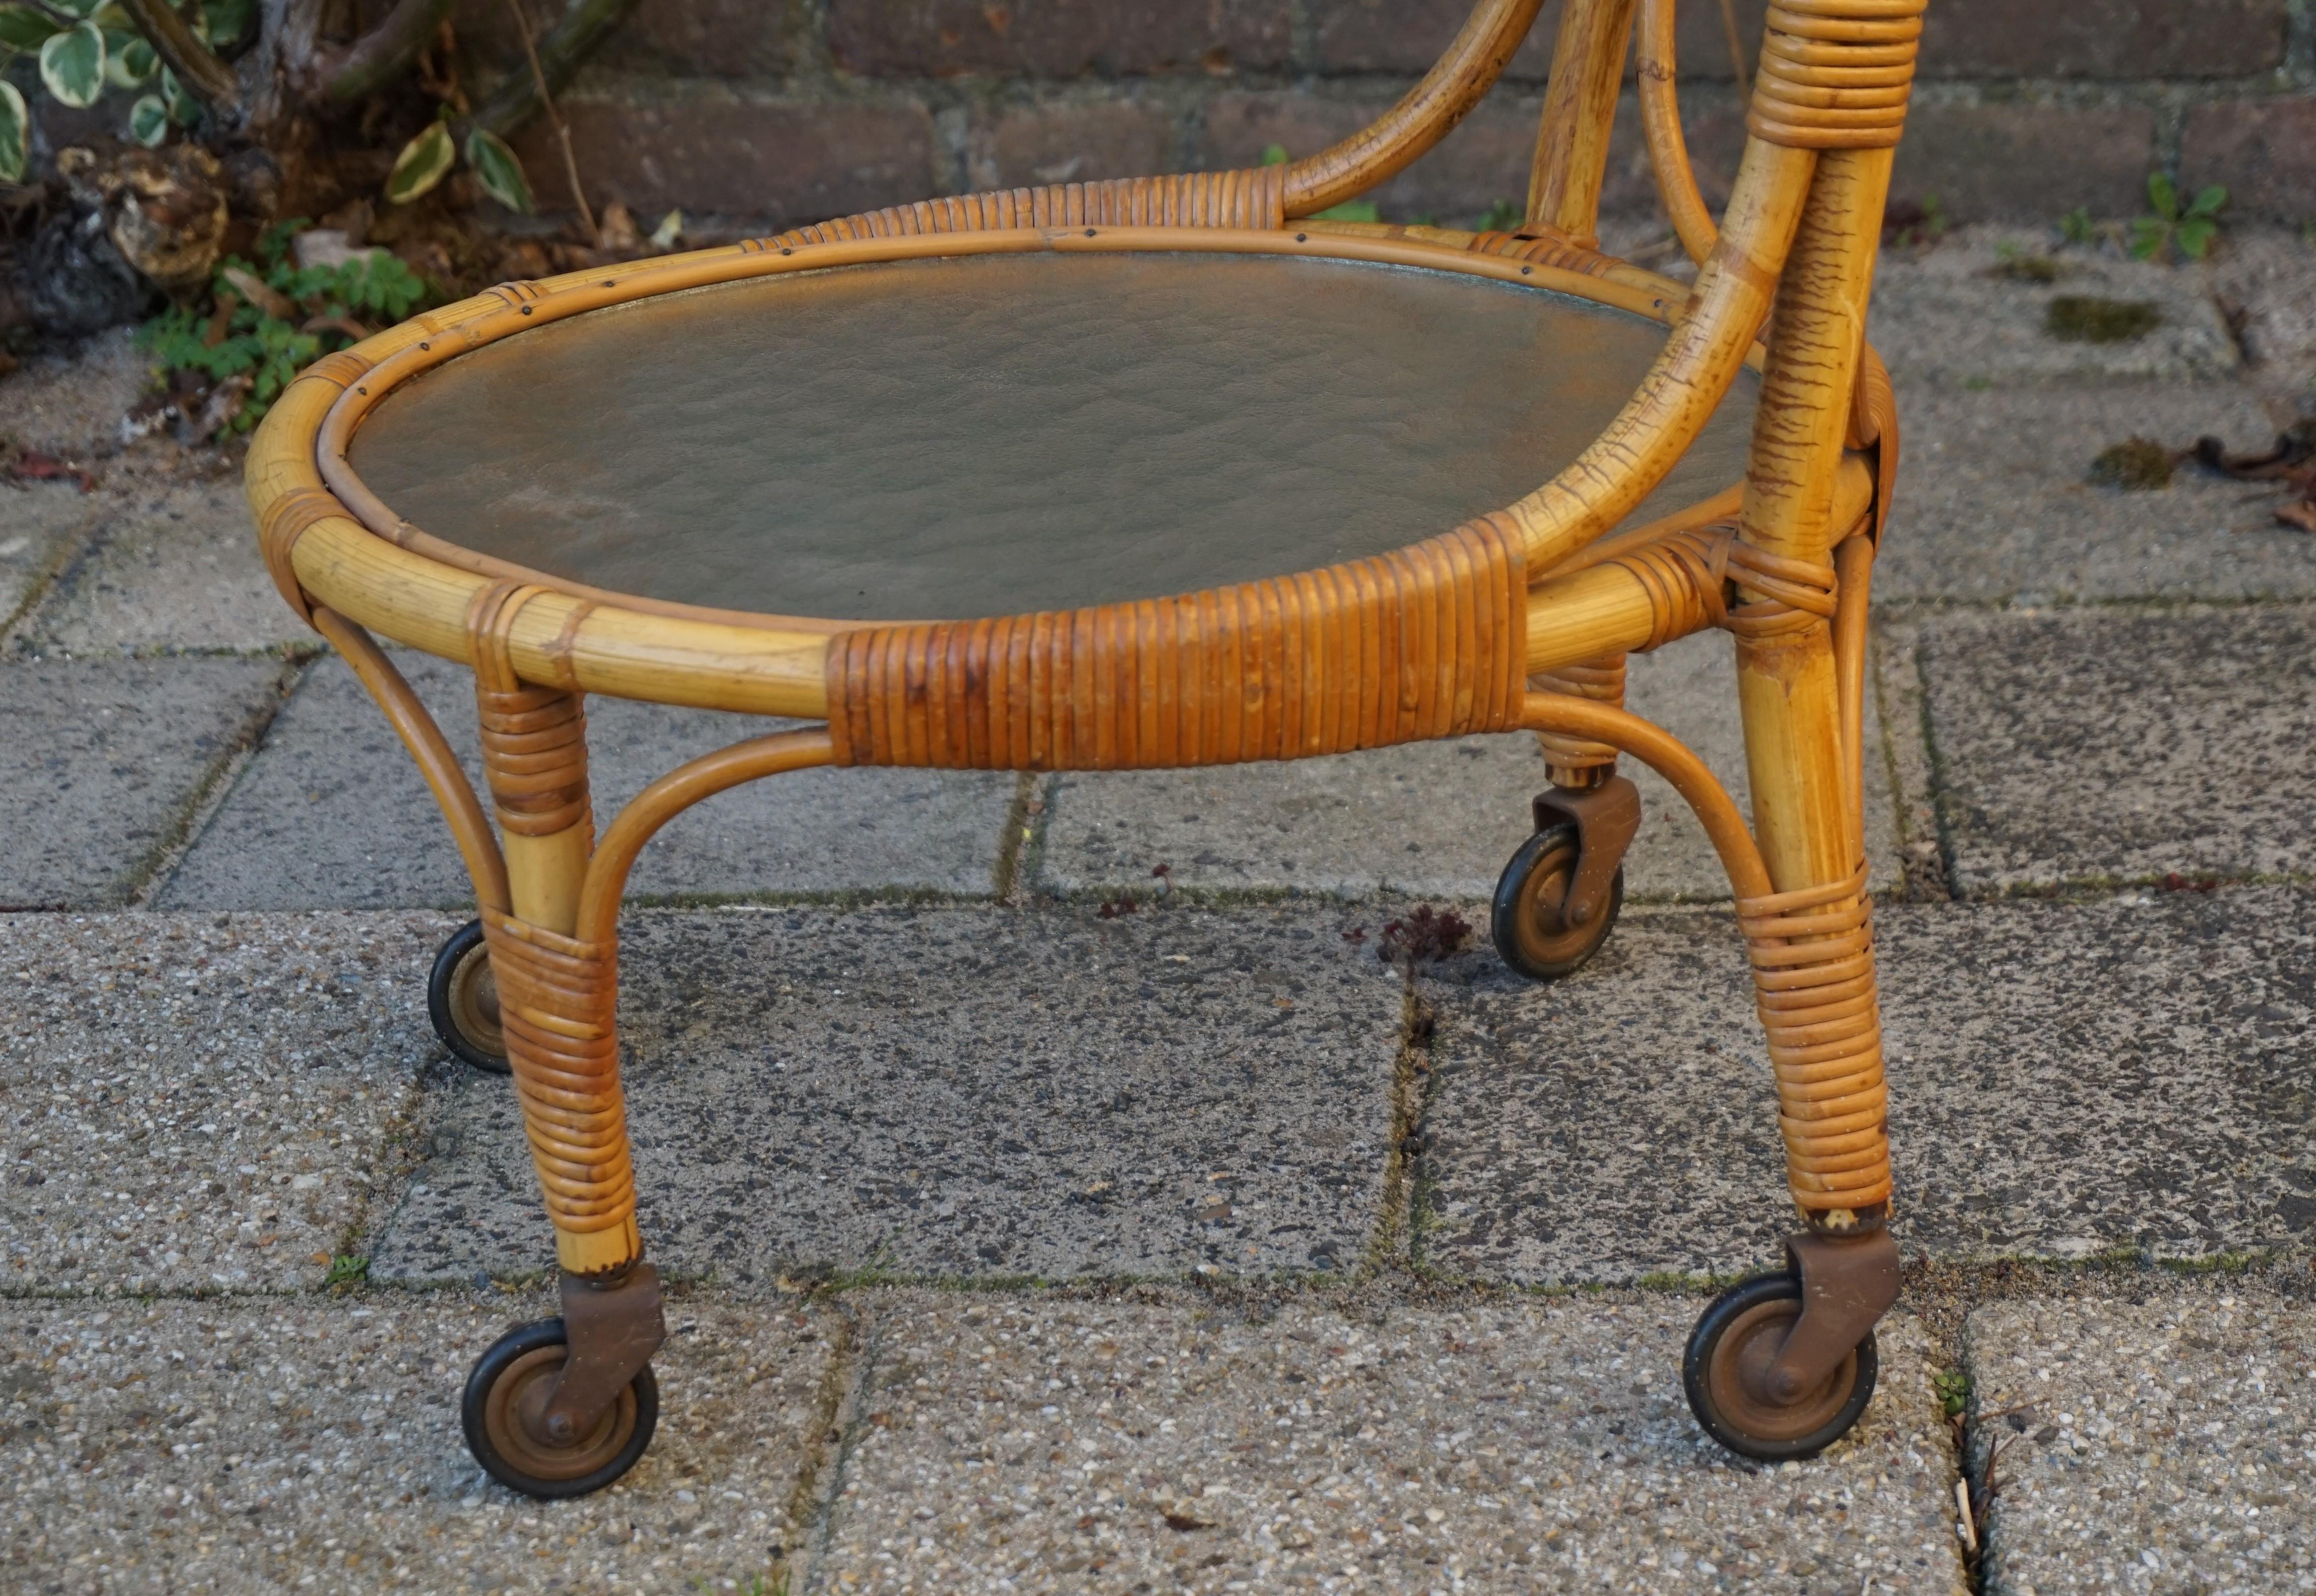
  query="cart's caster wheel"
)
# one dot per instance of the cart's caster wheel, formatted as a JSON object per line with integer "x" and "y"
{"x": 517, "y": 1365}
{"x": 1526, "y": 922}
{"x": 462, "y": 999}
{"x": 1735, "y": 1342}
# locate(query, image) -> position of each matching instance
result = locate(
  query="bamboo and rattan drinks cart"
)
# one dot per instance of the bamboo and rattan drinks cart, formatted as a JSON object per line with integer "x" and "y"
{"x": 1157, "y": 628}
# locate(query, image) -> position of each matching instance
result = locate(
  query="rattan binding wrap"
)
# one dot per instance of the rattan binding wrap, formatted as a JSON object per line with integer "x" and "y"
{"x": 1570, "y": 761}
{"x": 1429, "y": 641}
{"x": 1836, "y": 74}
{"x": 556, "y": 994}
{"x": 1252, "y": 198}
{"x": 534, "y": 738}
{"x": 1812, "y": 958}
{"x": 557, "y": 997}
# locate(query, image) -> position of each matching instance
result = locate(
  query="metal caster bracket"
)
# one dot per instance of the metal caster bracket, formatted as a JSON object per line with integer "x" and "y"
{"x": 1848, "y": 1283}
{"x": 1606, "y": 819}
{"x": 611, "y": 1328}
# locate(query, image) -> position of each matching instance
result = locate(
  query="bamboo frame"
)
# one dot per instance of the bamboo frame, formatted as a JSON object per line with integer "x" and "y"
{"x": 1446, "y": 637}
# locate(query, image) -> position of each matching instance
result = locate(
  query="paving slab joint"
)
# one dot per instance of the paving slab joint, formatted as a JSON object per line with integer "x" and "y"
{"x": 70, "y": 551}
{"x": 1941, "y": 793}
{"x": 1393, "y": 1245}
{"x": 1013, "y": 836}
{"x": 840, "y": 1410}
{"x": 150, "y": 873}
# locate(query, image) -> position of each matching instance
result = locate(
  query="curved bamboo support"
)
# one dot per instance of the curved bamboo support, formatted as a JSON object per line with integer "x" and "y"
{"x": 672, "y": 795}
{"x": 1459, "y": 81}
{"x": 1669, "y": 757}
{"x": 1709, "y": 345}
{"x": 470, "y": 828}
{"x": 1658, "y": 68}
{"x": 1853, "y": 564}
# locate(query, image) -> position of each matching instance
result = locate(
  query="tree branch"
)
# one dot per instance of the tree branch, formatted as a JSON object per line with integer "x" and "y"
{"x": 381, "y": 55}
{"x": 205, "y": 77}
{"x": 566, "y": 44}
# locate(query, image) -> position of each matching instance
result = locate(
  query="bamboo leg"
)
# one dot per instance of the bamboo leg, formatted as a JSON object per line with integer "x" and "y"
{"x": 1809, "y": 938}
{"x": 558, "y": 991}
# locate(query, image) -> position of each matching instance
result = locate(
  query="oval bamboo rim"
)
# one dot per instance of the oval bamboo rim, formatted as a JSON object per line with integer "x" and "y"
{"x": 414, "y": 588}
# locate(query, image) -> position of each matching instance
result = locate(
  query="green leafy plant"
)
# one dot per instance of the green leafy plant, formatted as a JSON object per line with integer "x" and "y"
{"x": 1502, "y": 217}
{"x": 346, "y": 1270}
{"x": 2192, "y": 228}
{"x": 268, "y": 321}
{"x": 2076, "y": 227}
{"x": 1953, "y": 1392}
{"x": 427, "y": 159}
{"x": 1909, "y": 225}
{"x": 88, "y": 49}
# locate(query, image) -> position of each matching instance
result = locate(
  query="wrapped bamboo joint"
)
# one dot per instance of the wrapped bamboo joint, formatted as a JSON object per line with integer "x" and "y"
{"x": 922, "y": 540}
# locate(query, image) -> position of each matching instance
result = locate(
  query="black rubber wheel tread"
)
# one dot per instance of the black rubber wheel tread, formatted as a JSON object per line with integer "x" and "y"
{"x": 502, "y": 1354}
{"x": 1551, "y": 956}
{"x": 443, "y": 1012}
{"x": 1696, "y": 1362}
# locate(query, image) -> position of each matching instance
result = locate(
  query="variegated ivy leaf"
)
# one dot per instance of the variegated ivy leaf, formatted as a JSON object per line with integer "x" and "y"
{"x": 183, "y": 108}
{"x": 15, "y": 121}
{"x": 24, "y": 28}
{"x": 77, "y": 7}
{"x": 148, "y": 120}
{"x": 423, "y": 163}
{"x": 72, "y": 65}
{"x": 129, "y": 60}
{"x": 112, "y": 17}
{"x": 225, "y": 22}
{"x": 498, "y": 170}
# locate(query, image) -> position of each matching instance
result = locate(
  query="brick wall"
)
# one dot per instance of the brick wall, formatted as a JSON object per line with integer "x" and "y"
{"x": 764, "y": 113}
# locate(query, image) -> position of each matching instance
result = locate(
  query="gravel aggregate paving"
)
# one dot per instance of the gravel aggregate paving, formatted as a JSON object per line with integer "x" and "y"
{"x": 2158, "y": 1446}
{"x": 202, "y": 1102}
{"x": 313, "y": 1444}
{"x": 2064, "y": 1079}
{"x": 37, "y": 525}
{"x": 1523, "y": 1445}
{"x": 965, "y": 1092}
{"x": 330, "y": 813}
{"x": 1423, "y": 819}
{"x": 1992, "y": 504}
{"x": 2103, "y": 744}
{"x": 1947, "y": 315}
{"x": 174, "y": 568}
{"x": 101, "y": 760}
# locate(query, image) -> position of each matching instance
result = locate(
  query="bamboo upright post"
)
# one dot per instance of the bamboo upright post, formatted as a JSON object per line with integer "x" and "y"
{"x": 1580, "y": 110}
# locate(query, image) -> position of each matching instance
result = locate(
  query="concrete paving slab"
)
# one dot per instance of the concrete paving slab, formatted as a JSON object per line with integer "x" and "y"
{"x": 71, "y": 401}
{"x": 964, "y": 1092}
{"x": 202, "y": 1102}
{"x": 2064, "y": 1079}
{"x": 1423, "y": 819}
{"x": 2155, "y": 1445}
{"x": 2107, "y": 745}
{"x": 332, "y": 811}
{"x": 1037, "y": 1445}
{"x": 1992, "y": 504}
{"x": 1946, "y": 314}
{"x": 102, "y": 760}
{"x": 39, "y": 524}
{"x": 2267, "y": 276}
{"x": 175, "y": 569}
{"x": 314, "y": 1444}
{"x": 1897, "y": 689}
